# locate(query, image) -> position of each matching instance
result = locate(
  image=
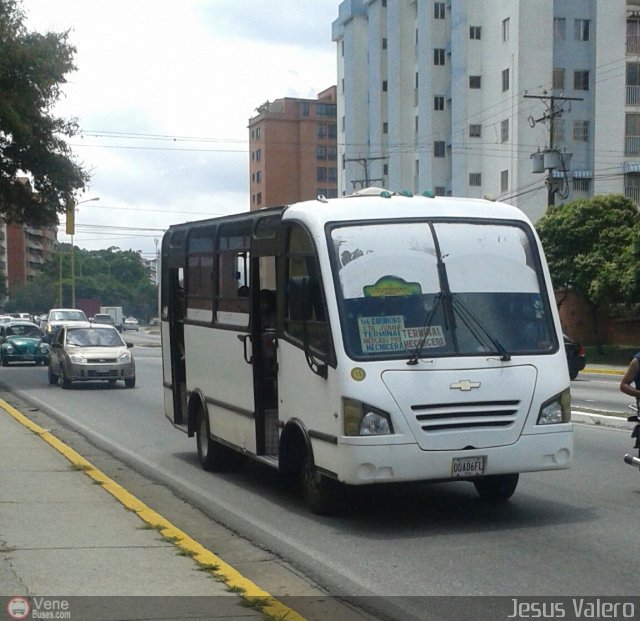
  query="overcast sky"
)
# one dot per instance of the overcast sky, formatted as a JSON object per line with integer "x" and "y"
{"x": 163, "y": 94}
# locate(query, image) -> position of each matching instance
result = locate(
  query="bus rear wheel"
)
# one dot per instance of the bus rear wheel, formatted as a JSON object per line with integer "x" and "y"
{"x": 497, "y": 488}
{"x": 210, "y": 452}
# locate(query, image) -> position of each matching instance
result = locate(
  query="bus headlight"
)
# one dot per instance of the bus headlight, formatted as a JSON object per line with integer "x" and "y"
{"x": 556, "y": 410}
{"x": 361, "y": 419}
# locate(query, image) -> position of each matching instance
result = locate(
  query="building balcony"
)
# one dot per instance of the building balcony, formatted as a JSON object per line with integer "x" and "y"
{"x": 632, "y": 145}
{"x": 633, "y": 96}
{"x": 633, "y": 45}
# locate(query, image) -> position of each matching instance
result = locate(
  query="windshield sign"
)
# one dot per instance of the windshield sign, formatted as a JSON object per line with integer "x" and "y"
{"x": 440, "y": 289}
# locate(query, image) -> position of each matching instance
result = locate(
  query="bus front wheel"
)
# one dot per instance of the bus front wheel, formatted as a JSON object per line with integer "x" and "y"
{"x": 209, "y": 451}
{"x": 497, "y": 488}
{"x": 322, "y": 494}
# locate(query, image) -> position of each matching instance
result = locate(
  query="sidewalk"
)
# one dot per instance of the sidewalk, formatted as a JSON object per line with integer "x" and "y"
{"x": 71, "y": 539}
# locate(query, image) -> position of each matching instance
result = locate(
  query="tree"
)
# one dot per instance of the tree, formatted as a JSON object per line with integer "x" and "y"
{"x": 32, "y": 140}
{"x": 593, "y": 247}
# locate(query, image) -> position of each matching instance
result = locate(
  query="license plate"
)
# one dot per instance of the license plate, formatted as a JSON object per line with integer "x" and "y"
{"x": 468, "y": 466}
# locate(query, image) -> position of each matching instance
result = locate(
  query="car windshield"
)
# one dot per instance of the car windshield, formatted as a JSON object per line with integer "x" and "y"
{"x": 440, "y": 289}
{"x": 68, "y": 315}
{"x": 93, "y": 337}
{"x": 21, "y": 330}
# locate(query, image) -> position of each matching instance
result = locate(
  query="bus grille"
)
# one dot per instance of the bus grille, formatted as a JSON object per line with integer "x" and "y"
{"x": 435, "y": 417}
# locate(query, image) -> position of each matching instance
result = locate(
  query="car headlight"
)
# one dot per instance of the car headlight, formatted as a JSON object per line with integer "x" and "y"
{"x": 361, "y": 419}
{"x": 556, "y": 410}
{"x": 124, "y": 357}
{"x": 8, "y": 348}
{"x": 44, "y": 348}
{"x": 78, "y": 358}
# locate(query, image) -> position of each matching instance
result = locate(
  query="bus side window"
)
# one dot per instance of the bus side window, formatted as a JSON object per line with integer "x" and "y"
{"x": 304, "y": 307}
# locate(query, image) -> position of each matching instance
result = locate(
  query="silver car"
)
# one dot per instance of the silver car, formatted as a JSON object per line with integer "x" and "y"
{"x": 90, "y": 352}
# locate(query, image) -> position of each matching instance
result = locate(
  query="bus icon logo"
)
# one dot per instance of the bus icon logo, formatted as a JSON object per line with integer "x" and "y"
{"x": 464, "y": 385}
{"x": 18, "y": 608}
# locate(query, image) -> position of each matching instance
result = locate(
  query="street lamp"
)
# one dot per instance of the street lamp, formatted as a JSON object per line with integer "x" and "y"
{"x": 71, "y": 228}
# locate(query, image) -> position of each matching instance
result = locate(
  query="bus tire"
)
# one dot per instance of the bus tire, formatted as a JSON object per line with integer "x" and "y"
{"x": 497, "y": 488}
{"x": 210, "y": 452}
{"x": 322, "y": 494}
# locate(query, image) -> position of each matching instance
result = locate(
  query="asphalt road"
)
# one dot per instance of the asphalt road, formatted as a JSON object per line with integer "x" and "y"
{"x": 563, "y": 533}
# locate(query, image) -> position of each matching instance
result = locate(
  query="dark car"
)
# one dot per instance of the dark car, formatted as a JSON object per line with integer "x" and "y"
{"x": 576, "y": 357}
{"x": 22, "y": 341}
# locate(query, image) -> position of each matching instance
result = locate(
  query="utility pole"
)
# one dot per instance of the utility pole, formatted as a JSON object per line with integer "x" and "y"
{"x": 365, "y": 164}
{"x": 551, "y": 114}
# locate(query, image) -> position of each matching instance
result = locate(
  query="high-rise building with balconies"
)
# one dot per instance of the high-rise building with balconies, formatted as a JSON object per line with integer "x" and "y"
{"x": 467, "y": 98}
{"x": 292, "y": 143}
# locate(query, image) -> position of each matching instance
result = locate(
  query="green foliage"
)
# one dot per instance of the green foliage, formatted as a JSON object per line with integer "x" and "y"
{"x": 33, "y": 66}
{"x": 593, "y": 247}
{"x": 115, "y": 277}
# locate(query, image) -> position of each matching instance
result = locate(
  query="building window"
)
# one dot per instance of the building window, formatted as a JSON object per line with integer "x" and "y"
{"x": 475, "y": 32}
{"x": 475, "y": 130}
{"x": 385, "y": 86}
{"x": 582, "y": 29}
{"x": 332, "y": 153}
{"x": 321, "y": 152}
{"x": 632, "y": 134}
{"x": 633, "y": 36}
{"x": 416, "y": 124}
{"x": 258, "y": 155}
{"x": 259, "y": 198}
{"x": 384, "y": 43}
{"x": 438, "y": 56}
{"x": 475, "y": 81}
{"x": 438, "y": 102}
{"x": 385, "y": 169}
{"x": 504, "y": 131}
{"x": 581, "y": 185}
{"x": 326, "y": 109}
{"x": 475, "y": 179}
{"x": 581, "y": 131}
{"x": 321, "y": 173}
{"x": 439, "y": 10}
{"x": 258, "y": 176}
{"x": 558, "y": 130}
{"x": 258, "y": 132}
{"x": 439, "y": 148}
{"x": 632, "y": 187}
{"x": 332, "y": 130}
{"x": 305, "y": 108}
{"x": 559, "y": 28}
{"x": 505, "y": 29}
{"x": 332, "y": 174}
{"x": 581, "y": 80}
{"x": 385, "y": 128}
{"x": 439, "y": 190}
{"x": 558, "y": 79}
{"x": 633, "y": 84}
{"x": 505, "y": 80}
{"x": 504, "y": 181}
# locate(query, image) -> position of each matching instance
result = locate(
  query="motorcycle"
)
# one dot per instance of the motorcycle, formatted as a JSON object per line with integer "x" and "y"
{"x": 630, "y": 459}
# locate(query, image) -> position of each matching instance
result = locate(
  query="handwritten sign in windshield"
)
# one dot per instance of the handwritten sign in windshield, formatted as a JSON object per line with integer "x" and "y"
{"x": 389, "y": 334}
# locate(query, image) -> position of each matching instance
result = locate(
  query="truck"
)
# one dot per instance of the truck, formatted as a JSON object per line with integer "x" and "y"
{"x": 116, "y": 313}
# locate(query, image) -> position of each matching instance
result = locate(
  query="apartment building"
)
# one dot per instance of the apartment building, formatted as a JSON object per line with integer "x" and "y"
{"x": 529, "y": 102}
{"x": 293, "y": 147}
{"x": 27, "y": 250}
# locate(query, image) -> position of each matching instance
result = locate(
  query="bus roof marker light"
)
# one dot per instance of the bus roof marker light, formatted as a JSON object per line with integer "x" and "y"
{"x": 428, "y": 194}
{"x": 385, "y": 194}
{"x": 406, "y": 193}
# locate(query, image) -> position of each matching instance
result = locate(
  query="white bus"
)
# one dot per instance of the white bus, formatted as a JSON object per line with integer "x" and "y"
{"x": 374, "y": 338}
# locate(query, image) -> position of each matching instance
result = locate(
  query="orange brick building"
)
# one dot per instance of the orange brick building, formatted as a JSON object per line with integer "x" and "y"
{"x": 293, "y": 147}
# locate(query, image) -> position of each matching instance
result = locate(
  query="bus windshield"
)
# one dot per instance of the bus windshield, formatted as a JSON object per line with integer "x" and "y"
{"x": 440, "y": 288}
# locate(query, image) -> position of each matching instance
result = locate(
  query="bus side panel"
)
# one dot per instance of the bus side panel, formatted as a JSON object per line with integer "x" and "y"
{"x": 216, "y": 366}
{"x": 310, "y": 398}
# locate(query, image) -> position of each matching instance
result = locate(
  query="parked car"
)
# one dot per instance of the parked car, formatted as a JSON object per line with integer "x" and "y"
{"x": 576, "y": 357}
{"x": 22, "y": 341}
{"x": 91, "y": 352}
{"x": 103, "y": 318}
{"x": 131, "y": 323}
{"x": 58, "y": 317}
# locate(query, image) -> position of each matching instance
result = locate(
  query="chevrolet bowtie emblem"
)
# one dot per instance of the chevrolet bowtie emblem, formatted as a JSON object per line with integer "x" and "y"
{"x": 464, "y": 385}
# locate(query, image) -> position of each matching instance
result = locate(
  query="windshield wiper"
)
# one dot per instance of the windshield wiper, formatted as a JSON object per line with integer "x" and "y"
{"x": 415, "y": 356}
{"x": 468, "y": 318}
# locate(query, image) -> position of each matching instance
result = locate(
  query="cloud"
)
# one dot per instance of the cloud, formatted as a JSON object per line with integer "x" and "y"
{"x": 188, "y": 75}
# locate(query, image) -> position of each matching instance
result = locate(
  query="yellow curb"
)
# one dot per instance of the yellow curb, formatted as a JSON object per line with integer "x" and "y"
{"x": 603, "y": 371}
{"x": 224, "y": 572}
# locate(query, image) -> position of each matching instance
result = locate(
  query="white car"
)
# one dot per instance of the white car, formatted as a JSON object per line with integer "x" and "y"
{"x": 58, "y": 317}
{"x": 130, "y": 323}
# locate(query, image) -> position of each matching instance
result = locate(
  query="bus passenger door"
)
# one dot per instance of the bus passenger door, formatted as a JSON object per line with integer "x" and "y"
{"x": 265, "y": 347}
